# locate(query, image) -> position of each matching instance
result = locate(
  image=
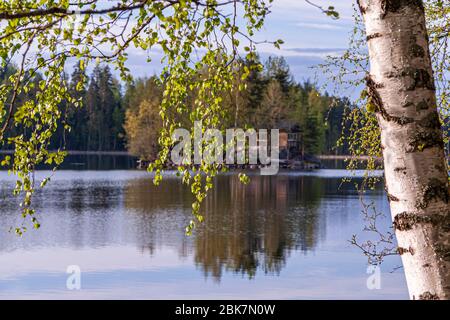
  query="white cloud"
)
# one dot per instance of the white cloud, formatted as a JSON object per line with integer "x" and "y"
{"x": 320, "y": 26}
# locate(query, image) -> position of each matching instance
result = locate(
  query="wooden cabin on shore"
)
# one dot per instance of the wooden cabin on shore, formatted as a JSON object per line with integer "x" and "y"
{"x": 291, "y": 154}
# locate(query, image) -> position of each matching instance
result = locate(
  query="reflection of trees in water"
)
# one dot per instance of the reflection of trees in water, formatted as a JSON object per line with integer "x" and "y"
{"x": 159, "y": 213}
{"x": 75, "y": 213}
{"x": 246, "y": 227}
{"x": 99, "y": 162}
{"x": 256, "y": 226}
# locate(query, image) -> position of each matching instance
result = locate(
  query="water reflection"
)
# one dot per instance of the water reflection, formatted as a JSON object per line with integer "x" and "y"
{"x": 96, "y": 162}
{"x": 291, "y": 229}
{"x": 256, "y": 226}
{"x": 247, "y": 227}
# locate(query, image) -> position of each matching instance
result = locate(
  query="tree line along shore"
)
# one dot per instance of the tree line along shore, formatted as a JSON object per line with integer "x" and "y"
{"x": 123, "y": 118}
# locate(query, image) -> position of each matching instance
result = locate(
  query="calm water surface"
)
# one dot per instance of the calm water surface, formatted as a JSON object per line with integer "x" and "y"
{"x": 280, "y": 237}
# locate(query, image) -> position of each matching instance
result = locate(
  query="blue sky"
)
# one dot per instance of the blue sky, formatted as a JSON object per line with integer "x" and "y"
{"x": 308, "y": 34}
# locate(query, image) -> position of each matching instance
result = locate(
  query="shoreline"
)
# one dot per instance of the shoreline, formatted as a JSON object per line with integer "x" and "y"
{"x": 345, "y": 157}
{"x": 125, "y": 153}
{"x": 84, "y": 153}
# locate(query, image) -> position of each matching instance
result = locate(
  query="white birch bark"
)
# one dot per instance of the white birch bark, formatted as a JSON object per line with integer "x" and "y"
{"x": 401, "y": 88}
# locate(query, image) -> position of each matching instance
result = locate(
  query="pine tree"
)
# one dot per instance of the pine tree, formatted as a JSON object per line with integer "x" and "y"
{"x": 77, "y": 116}
{"x": 278, "y": 69}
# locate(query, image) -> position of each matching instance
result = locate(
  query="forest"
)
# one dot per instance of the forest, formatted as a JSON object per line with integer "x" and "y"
{"x": 112, "y": 115}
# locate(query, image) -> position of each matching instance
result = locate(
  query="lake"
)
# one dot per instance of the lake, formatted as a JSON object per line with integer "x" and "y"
{"x": 279, "y": 237}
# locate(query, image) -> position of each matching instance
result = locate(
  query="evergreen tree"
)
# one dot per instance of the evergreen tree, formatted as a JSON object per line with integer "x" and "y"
{"x": 256, "y": 85}
{"x": 278, "y": 69}
{"x": 104, "y": 119}
{"x": 93, "y": 101}
{"x": 77, "y": 116}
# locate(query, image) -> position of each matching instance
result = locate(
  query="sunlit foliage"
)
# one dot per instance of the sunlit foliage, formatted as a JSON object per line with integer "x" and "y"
{"x": 42, "y": 36}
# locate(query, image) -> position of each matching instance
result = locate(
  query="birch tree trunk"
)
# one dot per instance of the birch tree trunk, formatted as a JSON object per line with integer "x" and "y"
{"x": 401, "y": 89}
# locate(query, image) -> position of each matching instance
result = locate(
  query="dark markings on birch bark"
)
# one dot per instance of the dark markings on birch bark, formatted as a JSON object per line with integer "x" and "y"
{"x": 375, "y": 99}
{"x": 373, "y": 36}
{"x": 427, "y": 135}
{"x": 407, "y": 104}
{"x": 428, "y": 296}
{"x": 401, "y": 250}
{"x": 422, "y": 105}
{"x": 434, "y": 190}
{"x": 417, "y": 51}
{"x": 400, "y": 169}
{"x": 392, "y": 6}
{"x": 424, "y": 139}
{"x": 419, "y": 78}
{"x": 392, "y": 197}
{"x": 389, "y": 6}
{"x": 406, "y": 220}
{"x": 361, "y": 8}
{"x": 443, "y": 252}
{"x": 431, "y": 121}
